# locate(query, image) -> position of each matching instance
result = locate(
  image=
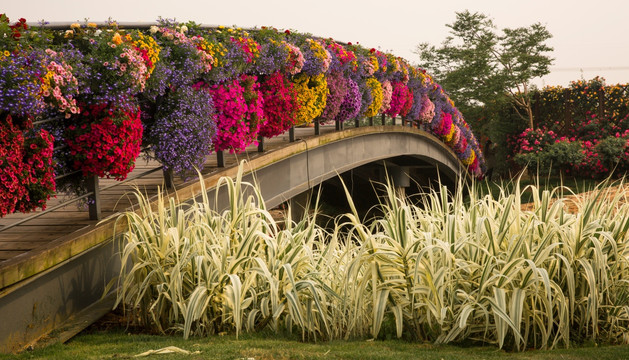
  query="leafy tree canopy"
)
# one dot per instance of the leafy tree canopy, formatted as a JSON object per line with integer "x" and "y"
{"x": 485, "y": 68}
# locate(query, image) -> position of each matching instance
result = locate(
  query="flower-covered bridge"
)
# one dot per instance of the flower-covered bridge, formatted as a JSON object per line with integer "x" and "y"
{"x": 81, "y": 102}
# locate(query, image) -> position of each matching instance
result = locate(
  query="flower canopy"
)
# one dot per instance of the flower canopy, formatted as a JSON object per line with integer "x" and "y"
{"x": 177, "y": 92}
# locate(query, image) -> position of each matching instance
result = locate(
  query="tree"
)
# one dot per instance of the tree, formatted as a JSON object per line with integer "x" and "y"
{"x": 483, "y": 68}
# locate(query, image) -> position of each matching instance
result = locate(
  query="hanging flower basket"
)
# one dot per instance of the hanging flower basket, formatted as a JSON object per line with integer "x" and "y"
{"x": 105, "y": 141}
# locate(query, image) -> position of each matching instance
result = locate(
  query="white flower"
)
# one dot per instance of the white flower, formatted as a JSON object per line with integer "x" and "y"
{"x": 184, "y": 29}
{"x": 153, "y": 29}
{"x": 98, "y": 32}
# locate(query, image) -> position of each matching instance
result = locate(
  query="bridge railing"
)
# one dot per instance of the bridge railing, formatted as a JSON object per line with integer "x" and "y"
{"x": 442, "y": 125}
{"x": 93, "y": 199}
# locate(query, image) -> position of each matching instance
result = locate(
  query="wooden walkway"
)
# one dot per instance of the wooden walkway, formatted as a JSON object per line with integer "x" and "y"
{"x": 38, "y": 233}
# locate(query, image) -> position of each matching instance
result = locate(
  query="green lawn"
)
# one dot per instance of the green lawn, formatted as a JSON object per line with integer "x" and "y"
{"x": 116, "y": 344}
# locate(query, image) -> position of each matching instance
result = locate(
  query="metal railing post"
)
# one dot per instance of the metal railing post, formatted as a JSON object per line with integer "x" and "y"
{"x": 94, "y": 199}
{"x": 291, "y": 134}
{"x": 383, "y": 119}
{"x": 260, "y": 143}
{"x": 220, "y": 159}
{"x": 356, "y": 122}
{"x": 169, "y": 178}
{"x": 317, "y": 128}
{"x": 371, "y": 121}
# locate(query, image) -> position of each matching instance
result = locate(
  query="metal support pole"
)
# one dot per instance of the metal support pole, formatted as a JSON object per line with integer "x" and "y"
{"x": 291, "y": 134}
{"x": 169, "y": 180}
{"x": 371, "y": 121}
{"x": 337, "y": 125}
{"x": 220, "y": 159}
{"x": 260, "y": 143}
{"x": 317, "y": 128}
{"x": 94, "y": 199}
{"x": 383, "y": 119}
{"x": 357, "y": 122}
{"x": 393, "y": 120}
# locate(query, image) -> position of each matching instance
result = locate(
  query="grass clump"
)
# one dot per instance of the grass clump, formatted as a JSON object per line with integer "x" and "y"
{"x": 474, "y": 268}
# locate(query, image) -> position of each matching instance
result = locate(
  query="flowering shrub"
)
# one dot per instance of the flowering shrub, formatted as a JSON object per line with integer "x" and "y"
{"x": 295, "y": 60}
{"x": 579, "y": 102}
{"x": 117, "y": 70}
{"x": 350, "y": 107}
{"x": 111, "y": 70}
{"x": 337, "y": 89}
{"x": 280, "y": 105}
{"x": 387, "y": 95}
{"x": 234, "y": 132}
{"x": 317, "y": 58}
{"x": 59, "y": 86}
{"x": 342, "y": 59}
{"x": 182, "y": 62}
{"x": 39, "y": 179}
{"x": 148, "y": 49}
{"x": 182, "y": 136}
{"x": 26, "y": 168}
{"x": 312, "y": 95}
{"x": 375, "y": 90}
{"x": 21, "y": 93}
{"x": 444, "y": 128}
{"x": 369, "y": 65}
{"x": 238, "y": 57}
{"x": 401, "y": 100}
{"x": 427, "y": 112}
{"x": 11, "y": 166}
{"x": 11, "y": 34}
{"x": 105, "y": 141}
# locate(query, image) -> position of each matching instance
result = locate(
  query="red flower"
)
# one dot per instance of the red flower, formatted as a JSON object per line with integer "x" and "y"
{"x": 107, "y": 143}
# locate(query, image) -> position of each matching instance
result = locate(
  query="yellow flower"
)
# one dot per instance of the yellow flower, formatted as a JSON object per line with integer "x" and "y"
{"x": 75, "y": 26}
{"x": 91, "y": 25}
{"x": 6, "y": 53}
{"x": 117, "y": 39}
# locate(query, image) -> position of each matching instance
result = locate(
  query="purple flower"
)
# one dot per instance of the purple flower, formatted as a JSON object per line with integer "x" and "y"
{"x": 351, "y": 105}
{"x": 20, "y": 85}
{"x": 338, "y": 86}
{"x": 181, "y": 136}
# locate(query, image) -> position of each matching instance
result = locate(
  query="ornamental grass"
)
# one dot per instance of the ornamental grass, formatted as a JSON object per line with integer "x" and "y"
{"x": 453, "y": 268}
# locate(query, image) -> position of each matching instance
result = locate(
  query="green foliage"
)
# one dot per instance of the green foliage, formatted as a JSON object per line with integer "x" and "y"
{"x": 554, "y": 157}
{"x": 612, "y": 150}
{"x": 481, "y": 67}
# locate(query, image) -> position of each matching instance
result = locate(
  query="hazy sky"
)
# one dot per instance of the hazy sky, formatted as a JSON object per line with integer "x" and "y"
{"x": 587, "y": 35}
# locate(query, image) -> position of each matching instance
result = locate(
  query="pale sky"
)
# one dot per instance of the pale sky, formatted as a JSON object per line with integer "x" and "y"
{"x": 588, "y": 35}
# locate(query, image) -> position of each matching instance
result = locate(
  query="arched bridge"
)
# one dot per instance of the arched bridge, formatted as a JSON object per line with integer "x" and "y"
{"x": 59, "y": 282}
{"x": 301, "y": 165}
